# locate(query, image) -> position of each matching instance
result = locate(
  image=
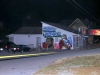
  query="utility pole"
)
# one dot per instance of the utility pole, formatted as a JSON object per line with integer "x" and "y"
{"x": 79, "y": 37}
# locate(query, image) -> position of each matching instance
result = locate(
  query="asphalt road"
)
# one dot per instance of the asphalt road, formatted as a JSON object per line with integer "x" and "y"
{"x": 28, "y": 66}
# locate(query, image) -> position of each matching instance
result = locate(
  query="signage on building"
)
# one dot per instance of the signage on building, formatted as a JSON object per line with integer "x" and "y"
{"x": 94, "y": 32}
{"x": 50, "y": 32}
{"x": 49, "y": 29}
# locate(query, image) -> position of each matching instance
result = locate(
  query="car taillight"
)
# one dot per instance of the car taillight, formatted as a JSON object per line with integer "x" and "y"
{"x": 6, "y": 47}
{"x": 18, "y": 48}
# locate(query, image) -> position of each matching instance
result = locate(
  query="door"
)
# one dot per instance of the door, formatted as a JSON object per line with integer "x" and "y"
{"x": 80, "y": 41}
{"x": 38, "y": 40}
{"x": 75, "y": 41}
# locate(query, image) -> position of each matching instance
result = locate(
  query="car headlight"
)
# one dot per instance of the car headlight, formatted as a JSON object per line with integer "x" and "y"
{"x": 1, "y": 49}
{"x": 14, "y": 48}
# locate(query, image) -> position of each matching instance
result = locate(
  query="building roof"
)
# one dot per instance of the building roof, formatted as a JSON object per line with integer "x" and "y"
{"x": 63, "y": 27}
{"x": 38, "y": 30}
{"x": 86, "y": 22}
{"x": 79, "y": 21}
{"x": 29, "y": 30}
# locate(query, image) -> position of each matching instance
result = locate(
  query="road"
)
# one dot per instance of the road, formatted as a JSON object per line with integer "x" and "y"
{"x": 28, "y": 66}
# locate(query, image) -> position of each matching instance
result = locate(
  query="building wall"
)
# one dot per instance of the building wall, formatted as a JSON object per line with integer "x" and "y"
{"x": 57, "y": 39}
{"x": 26, "y": 39}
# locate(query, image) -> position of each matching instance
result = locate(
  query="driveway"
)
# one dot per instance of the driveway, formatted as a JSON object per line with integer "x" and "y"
{"x": 28, "y": 66}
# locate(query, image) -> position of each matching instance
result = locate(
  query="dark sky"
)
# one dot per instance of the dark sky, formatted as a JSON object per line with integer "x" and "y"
{"x": 14, "y": 12}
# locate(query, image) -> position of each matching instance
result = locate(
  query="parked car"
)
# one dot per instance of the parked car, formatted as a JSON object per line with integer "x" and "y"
{"x": 13, "y": 48}
{"x": 1, "y": 47}
{"x": 20, "y": 48}
{"x": 6, "y": 45}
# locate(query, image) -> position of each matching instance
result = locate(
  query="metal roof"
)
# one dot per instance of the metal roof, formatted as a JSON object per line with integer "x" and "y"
{"x": 29, "y": 30}
{"x": 63, "y": 27}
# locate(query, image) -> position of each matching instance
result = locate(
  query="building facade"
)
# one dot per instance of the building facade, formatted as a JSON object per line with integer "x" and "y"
{"x": 30, "y": 36}
{"x": 26, "y": 39}
{"x": 57, "y": 36}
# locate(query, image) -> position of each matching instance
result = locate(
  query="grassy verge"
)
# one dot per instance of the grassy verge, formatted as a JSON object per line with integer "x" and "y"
{"x": 84, "y": 65}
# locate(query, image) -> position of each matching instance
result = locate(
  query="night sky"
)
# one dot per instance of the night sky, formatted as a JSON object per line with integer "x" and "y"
{"x": 14, "y": 13}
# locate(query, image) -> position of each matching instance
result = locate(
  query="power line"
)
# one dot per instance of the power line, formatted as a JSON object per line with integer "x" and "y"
{"x": 91, "y": 2}
{"x": 79, "y": 9}
{"x": 93, "y": 5}
{"x": 94, "y": 2}
{"x": 85, "y": 10}
{"x": 89, "y": 9}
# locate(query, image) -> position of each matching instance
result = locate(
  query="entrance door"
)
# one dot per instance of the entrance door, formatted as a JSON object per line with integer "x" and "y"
{"x": 75, "y": 41}
{"x": 38, "y": 40}
{"x": 80, "y": 41}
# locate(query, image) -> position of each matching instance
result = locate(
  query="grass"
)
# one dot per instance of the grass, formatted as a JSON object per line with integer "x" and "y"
{"x": 83, "y": 65}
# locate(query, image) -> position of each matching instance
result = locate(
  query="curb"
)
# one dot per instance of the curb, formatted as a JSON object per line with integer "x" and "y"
{"x": 25, "y": 55}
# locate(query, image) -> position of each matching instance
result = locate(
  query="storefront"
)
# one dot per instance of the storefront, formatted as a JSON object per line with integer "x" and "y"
{"x": 95, "y": 34}
{"x": 59, "y": 38}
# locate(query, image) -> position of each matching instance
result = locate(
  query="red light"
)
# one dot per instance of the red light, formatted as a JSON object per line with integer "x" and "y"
{"x": 18, "y": 48}
{"x": 6, "y": 47}
{"x": 11, "y": 48}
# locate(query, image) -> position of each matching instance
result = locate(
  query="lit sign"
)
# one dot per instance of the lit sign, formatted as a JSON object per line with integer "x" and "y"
{"x": 94, "y": 32}
{"x": 52, "y": 34}
{"x": 49, "y": 29}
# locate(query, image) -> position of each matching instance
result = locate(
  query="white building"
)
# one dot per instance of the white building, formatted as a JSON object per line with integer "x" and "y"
{"x": 27, "y": 35}
{"x": 56, "y": 30}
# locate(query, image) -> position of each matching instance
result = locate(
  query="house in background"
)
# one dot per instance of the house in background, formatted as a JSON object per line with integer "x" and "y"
{"x": 76, "y": 23}
{"x": 82, "y": 26}
{"x": 27, "y": 35}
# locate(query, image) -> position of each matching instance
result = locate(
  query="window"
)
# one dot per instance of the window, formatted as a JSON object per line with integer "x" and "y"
{"x": 38, "y": 40}
{"x": 11, "y": 39}
{"x": 56, "y": 39}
